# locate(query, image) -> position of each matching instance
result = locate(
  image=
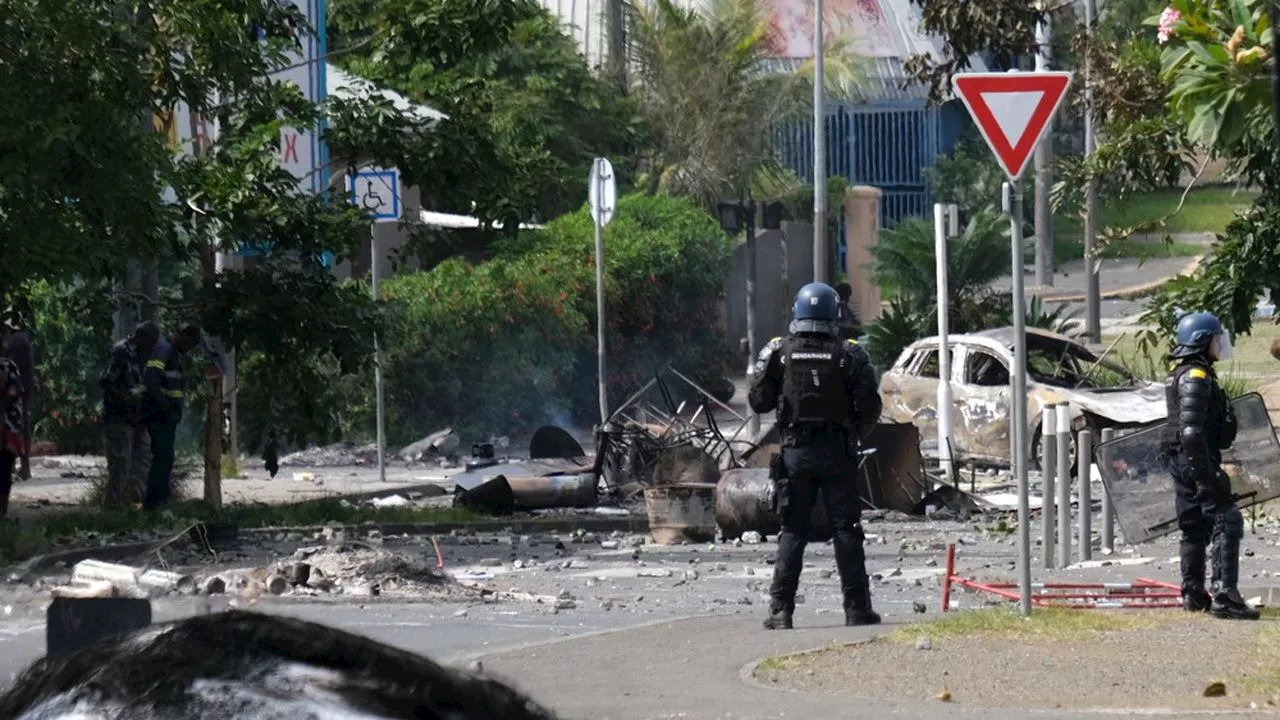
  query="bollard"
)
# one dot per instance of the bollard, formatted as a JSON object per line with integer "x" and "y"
{"x": 1049, "y": 469}
{"x": 1064, "y": 485}
{"x": 1108, "y": 512}
{"x": 1084, "y": 471}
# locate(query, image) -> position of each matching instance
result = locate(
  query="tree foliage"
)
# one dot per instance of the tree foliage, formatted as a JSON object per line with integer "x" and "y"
{"x": 710, "y": 96}
{"x": 87, "y": 161}
{"x": 526, "y": 115}
{"x": 1218, "y": 60}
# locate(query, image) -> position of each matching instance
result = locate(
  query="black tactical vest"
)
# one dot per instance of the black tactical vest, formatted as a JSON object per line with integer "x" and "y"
{"x": 813, "y": 389}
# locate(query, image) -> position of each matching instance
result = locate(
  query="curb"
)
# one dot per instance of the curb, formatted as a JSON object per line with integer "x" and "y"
{"x": 1133, "y": 292}
{"x": 747, "y": 673}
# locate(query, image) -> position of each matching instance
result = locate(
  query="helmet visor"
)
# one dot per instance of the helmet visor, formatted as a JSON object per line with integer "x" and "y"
{"x": 1220, "y": 347}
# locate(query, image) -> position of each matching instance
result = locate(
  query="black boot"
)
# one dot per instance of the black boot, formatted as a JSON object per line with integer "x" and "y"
{"x": 1228, "y": 605}
{"x": 1194, "y": 597}
{"x": 857, "y": 607}
{"x": 779, "y": 616}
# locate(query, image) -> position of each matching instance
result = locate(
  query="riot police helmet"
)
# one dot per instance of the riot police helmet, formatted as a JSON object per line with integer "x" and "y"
{"x": 1201, "y": 333}
{"x": 816, "y": 301}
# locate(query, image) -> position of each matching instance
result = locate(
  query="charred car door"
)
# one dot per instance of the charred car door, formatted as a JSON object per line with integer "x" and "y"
{"x": 982, "y": 400}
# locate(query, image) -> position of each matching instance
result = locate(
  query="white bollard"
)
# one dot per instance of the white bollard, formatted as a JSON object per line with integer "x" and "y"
{"x": 1108, "y": 512}
{"x": 1049, "y": 466}
{"x": 1084, "y": 471}
{"x": 1064, "y": 485}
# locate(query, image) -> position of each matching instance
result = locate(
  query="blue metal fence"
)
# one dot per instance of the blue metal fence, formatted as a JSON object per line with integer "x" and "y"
{"x": 886, "y": 144}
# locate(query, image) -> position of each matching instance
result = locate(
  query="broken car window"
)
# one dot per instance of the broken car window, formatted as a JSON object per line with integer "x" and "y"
{"x": 929, "y": 368}
{"x": 1053, "y": 362}
{"x": 986, "y": 370}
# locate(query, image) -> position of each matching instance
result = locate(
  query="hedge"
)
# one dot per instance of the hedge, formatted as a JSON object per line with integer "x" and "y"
{"x": 510, "y": 343}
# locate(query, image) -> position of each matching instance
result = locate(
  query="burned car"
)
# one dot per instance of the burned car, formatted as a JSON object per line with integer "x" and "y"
{"x": 1101, "y": 393}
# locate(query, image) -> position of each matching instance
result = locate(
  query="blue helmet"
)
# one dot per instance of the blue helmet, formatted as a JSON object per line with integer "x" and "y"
{"x": 1196, "y": 332}
{"x": 816, "y": 301}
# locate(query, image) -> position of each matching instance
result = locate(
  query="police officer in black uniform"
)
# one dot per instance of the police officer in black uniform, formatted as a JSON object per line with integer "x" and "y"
{"x": 1201, "y": 424}
{"x": 824, "y": 391}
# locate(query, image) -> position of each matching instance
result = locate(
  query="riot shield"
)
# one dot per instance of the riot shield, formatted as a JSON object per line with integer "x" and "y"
{"x": 1141, "y": 490}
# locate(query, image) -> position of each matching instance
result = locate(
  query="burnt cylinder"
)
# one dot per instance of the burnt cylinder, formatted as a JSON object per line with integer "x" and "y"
{"x": 744, "y": 502}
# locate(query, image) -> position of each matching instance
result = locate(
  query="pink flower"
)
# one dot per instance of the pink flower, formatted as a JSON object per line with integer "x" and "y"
{"x": 1168, "y": 20}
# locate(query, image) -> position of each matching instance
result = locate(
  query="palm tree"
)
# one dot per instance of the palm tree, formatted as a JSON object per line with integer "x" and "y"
{"x": 713, "y": 97}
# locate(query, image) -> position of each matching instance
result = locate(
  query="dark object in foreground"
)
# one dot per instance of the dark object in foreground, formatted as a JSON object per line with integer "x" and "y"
{"x": 252, "y": 667}
{"x": 73, "y": 623}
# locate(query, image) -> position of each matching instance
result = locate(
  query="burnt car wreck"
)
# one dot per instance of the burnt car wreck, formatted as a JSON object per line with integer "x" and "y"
{"x": 1101, "y": 393}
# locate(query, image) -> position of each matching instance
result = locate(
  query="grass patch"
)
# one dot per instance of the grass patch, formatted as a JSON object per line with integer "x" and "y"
{"x": 1207, "y": 210}
{"x": 780, "y": 664}
{"x": 1044, "y": 624}
{"x": 1265, "y": 676}
{"x": 21, "y": 538}
{"x": 1252, "y": 359}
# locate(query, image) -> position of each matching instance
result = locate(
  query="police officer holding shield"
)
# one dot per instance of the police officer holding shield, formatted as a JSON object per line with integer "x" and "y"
{"x": 824, "y": 391}
{"x": 1200, "y": 426}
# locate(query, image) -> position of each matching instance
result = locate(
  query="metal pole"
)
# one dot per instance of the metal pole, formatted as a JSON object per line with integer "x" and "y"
{"x": 1044, "y": 170}
{"x": 600, "y": 309}
{"x": 1092, "y": 292}
{"x": 1084, "y": 465}
{"x": 1049, "y": 466}
{"x": 1018, "y": 381}
{"x": 1108, "y": 512}
{"x": 1064, "y": 485}
{"x": 749, "y": 210}
{"x": 944, "y": 355}
{"x": 379, "y": 409}
{"x": 819, "y": 150}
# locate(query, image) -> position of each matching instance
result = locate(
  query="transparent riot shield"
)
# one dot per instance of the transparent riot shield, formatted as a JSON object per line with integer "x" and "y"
{"x": 1141, "y": 490}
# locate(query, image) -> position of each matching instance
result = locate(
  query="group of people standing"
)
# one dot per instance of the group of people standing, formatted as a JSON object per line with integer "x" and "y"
{"x": 822, "y": 387}
{"x": 142, "y": 404}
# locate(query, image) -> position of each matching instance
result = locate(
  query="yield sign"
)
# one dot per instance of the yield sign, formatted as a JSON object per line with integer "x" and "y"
{"x": 1012, "y": 110}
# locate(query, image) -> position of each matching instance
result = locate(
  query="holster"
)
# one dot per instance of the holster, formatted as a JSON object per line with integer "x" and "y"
{"x": 778, "y": 474}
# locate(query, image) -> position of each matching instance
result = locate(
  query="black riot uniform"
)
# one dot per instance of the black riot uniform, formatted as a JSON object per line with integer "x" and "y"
{"x": 824, "y": 391}
{"x": 1200, "y": 425}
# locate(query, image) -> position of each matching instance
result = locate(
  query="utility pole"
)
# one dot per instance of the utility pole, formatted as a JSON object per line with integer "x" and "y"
{"x": 1092, "y": 291}
{"x": 1044, "y": 172}
{"x": 819, "y": 150}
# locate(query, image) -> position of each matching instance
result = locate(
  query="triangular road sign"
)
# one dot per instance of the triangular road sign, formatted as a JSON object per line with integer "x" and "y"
{"x": 1012, "y": 110}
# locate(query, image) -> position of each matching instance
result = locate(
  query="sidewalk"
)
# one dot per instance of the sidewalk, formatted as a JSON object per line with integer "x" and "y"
{"x": 697, "y": 669}
{"x": 1117, "y": 278}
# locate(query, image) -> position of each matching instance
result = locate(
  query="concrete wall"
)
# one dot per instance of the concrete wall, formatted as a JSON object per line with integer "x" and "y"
{"x": 862, "y": 235}
{"x": 773, "y": 300}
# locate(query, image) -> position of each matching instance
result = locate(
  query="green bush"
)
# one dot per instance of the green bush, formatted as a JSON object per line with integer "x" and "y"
{"x": 72, "y": 339}
{"x": 509, "y": 343}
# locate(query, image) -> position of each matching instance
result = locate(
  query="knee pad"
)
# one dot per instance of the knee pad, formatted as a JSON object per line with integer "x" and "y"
{"x": 1230, "y": 522}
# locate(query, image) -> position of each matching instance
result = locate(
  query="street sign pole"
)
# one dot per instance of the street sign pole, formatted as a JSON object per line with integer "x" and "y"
{"x": 379, "y": 408}
{"x": 1013, "y": 110}
{"x": 602, "y": 195}
{"x": 1013, "y": 206}
{"x": 601, "y": 361}
{"x": 377, "y": 192}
